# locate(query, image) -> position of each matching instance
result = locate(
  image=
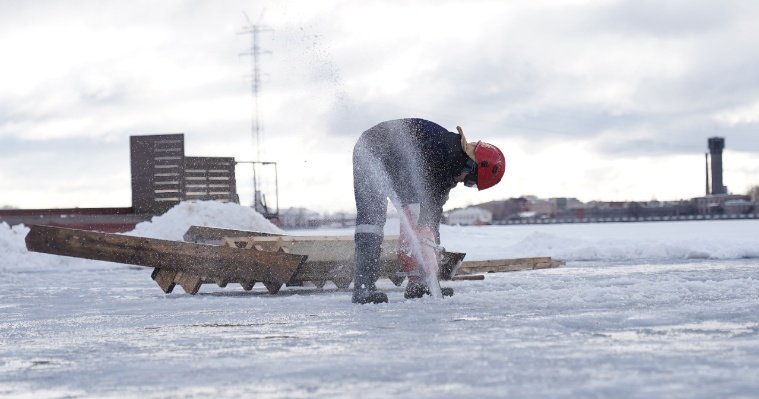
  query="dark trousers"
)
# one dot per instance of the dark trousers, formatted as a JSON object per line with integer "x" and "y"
{"x": 370, "y": 187}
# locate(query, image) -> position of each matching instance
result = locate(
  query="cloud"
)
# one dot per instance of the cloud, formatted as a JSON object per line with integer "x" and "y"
{"x": 624, "y": 80}
{"x": 671, "y": 18}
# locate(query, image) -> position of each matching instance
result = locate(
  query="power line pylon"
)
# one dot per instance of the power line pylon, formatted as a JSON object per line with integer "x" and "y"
{"x": 254, "y": 31}
{"x": 259, "y": 200}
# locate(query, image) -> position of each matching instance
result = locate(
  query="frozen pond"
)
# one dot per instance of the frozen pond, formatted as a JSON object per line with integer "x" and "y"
{"x": 637, "y": 314}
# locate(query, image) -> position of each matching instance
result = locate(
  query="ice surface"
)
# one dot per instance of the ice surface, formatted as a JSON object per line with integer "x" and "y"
{"x": 662, "y": 309}
{"x": 724, "y": 239}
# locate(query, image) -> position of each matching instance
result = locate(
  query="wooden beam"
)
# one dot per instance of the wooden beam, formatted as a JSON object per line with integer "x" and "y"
{"x": 507, "y": 265}
{"x": 468, "y": 277}
{"x": 214, "y": 235}
{"x": 195, "y": 259}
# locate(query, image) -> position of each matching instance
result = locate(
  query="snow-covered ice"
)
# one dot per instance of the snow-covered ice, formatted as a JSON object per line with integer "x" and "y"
{"x": 641, "y": 310}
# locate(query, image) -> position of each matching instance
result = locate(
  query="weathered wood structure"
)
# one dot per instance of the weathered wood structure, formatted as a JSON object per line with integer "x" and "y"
{"x": 210, "y": 178}
{"x": 507, "y": 265}
{"x": 330, "y": 258}
{"x": 174, "y": 262}
{"x": 224, "y": 256}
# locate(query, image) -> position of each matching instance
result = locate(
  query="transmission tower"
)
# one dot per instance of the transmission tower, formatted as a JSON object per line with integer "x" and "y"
{"x": 254, "y": 31}
{"x": 259, "y": 200}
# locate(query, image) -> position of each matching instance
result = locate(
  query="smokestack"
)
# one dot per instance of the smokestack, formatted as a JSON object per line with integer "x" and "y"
{"x": 716, "y": 145}
{"x": 706, "y": 155}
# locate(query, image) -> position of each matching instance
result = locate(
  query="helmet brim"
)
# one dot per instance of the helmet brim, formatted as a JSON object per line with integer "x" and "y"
{"x": 468, "y": 148}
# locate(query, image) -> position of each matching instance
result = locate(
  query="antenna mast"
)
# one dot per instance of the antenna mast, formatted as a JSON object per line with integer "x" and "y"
{"x": 255, "y": 73}
{"x": 254, "y": 30}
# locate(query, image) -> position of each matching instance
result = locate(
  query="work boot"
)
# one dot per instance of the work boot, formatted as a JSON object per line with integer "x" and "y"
{"x": 364, "y": 295}
{"x": 416, "y": 289}
{"x": 368, "y": 250}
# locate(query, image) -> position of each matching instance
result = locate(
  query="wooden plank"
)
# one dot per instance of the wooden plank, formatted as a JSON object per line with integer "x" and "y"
{"x": 338, "y": 249}
{"x": 214, "y": 235}
{"x": 508, "y": 265}
{"x": 468, "y": 277}
{"x": 505, "y": 262}
{"x": 329, "y": 257}
{"x": 549, "y": 265}
{"x": 309, "y": 245}
{"x": 198, "y": 259}
{"x": 311, "y": 271}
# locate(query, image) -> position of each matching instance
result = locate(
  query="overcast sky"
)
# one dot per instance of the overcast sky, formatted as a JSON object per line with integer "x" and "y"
{"x": 599, "y": 100}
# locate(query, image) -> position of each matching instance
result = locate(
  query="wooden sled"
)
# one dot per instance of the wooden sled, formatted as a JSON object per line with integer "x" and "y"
{"x": 329, "y": 258}
{"x": 175, "y": 262}
{"x": 224, "y": 256}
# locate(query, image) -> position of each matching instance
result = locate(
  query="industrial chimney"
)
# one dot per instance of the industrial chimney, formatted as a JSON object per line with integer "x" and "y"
{"x": 716, "y": 145}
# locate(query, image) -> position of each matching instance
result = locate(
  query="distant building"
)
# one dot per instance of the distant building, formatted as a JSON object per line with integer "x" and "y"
{"x": 738, "y": 207}
{"x": 567, "y": 207}
{"x": 723, "y": 204}
{"x": 540, "y": 206}
{"x": 716, "y": 145}
{"x": 553, "y": 207}
{"x": 299, "y": 218}
{"x": 607, "y": 209}
{"x": 162, "y": 175}
{"x": 754, "y": 193}
{"x": 506, "y": 209}
{"x": 472, "y": 216}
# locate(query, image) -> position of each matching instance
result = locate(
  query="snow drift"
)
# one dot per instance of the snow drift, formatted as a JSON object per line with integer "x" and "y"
{"x": 723, "y": 239}
{"x": 661, "y": 241}
{"x": 170, "y": 226}
{"x": 173, "y": 224}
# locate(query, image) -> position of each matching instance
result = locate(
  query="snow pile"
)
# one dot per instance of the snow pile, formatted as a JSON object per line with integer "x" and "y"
{"x": 173, "y": 224}
{"x": 13, "y": 253}
{"x": 12, "y": 242}
{"x": 170, "y": 226}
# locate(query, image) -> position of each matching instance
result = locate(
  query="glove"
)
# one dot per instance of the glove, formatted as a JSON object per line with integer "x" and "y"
{"x": 421, "y": 234}
{"x": 422, "y": 260}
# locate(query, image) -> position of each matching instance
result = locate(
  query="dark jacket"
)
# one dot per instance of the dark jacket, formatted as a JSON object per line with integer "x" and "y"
{"x": 421, "y": 160}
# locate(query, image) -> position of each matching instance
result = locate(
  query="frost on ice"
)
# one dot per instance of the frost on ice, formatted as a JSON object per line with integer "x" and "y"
{"x": 664, "y": 309}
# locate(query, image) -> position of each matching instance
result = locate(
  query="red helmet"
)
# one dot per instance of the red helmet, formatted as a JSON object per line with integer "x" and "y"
{"x": 490, "y": 165}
